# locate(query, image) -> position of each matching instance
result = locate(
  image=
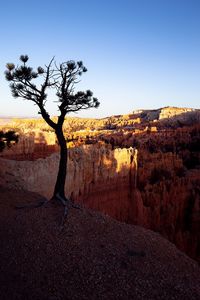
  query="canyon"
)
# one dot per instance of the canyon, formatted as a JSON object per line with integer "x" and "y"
{"x": 142, "y": 168}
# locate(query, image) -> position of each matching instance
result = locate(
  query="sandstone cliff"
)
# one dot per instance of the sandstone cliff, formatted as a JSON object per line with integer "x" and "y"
{"x": 127, "y": 184}
{"x": 148, "y": 175}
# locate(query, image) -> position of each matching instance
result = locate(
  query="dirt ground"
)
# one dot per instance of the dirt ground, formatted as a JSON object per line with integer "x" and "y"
{"x": 91, "y": 257}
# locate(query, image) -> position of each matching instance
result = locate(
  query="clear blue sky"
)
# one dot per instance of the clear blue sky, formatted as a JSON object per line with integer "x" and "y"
{"x": 139, "y": 53}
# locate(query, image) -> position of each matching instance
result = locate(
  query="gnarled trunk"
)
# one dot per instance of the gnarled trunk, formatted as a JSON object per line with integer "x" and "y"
{"x": 62, "y": 171}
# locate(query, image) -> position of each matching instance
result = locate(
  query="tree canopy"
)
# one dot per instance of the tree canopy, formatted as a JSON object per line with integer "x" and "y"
{"x": 33, "y": 85}
{"x": 62, "y": 78}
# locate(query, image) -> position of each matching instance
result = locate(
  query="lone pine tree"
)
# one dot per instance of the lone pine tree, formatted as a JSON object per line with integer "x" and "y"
{"x": 32, "y": 85}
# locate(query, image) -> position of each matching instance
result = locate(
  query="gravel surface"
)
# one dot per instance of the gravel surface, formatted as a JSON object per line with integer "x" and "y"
{"x": 91, "y": 257}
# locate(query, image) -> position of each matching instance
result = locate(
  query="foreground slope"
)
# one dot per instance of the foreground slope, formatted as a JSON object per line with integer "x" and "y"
{"x": 92, "y": 257}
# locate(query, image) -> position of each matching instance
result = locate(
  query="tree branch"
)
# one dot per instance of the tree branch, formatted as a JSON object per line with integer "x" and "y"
{"x": 46, "y": 117}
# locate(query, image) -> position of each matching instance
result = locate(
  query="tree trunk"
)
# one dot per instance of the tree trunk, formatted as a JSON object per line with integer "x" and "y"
{"x": 59, "y": 190}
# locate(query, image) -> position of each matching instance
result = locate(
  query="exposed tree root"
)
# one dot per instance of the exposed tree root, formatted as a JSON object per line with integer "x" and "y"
{"x": 67, "y": 203}
{"x": 32, "y": 205}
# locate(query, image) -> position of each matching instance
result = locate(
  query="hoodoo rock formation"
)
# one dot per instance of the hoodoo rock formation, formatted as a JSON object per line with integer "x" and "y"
{"x": 113, "y": 181}
{"x": 153, "y": 180}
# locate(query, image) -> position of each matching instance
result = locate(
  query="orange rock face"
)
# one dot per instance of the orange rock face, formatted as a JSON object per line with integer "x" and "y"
{"x": 147, "y": 176}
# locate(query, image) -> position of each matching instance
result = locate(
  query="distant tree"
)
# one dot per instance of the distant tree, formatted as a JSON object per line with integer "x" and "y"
{"x": 32, "y": 85}
{"x": 7, "y": 138}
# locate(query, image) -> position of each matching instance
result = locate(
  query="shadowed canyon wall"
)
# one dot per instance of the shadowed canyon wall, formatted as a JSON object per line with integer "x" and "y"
{"x": 151, "y": 189}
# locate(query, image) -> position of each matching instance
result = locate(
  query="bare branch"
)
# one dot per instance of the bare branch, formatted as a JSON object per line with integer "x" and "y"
{"x": 62, "y": 78}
